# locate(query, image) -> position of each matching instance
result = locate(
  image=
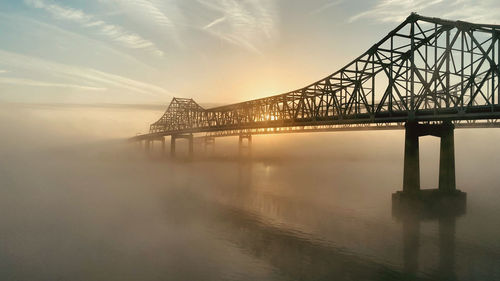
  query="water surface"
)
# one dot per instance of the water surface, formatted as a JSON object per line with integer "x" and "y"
{"x": 308, "y": 207}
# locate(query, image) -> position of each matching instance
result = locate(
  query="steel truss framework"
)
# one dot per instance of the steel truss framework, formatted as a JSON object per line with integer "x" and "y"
{"x": 426, "y": 70}
{"x": 342, "y": 127}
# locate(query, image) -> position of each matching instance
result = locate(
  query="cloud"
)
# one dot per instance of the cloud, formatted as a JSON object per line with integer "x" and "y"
{"x": 468, "y": 10}
{"x": 151, "y": 9}
{"x": 67, "y": 35}
{"x": 3, "y": 71}
{"x": 84, "y": 77}
{"x": 153, "y": 13}
{"x": 58, "y": 11}
{"x": 485, "y": 11}
{"x": 246, "y": 24}
{"x": 214, "y": 22}
{"x": 114, "y": 32}
{"x": 29, "y": 82}
{"x": 395, "y": 10}
{"x": 326, "y": 6}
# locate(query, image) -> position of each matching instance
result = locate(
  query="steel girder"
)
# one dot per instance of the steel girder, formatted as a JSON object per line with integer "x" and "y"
{"x": 426, "y": 69}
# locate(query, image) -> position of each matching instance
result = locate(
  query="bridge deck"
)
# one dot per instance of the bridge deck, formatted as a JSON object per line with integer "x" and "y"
{"x": 494, "y": 123}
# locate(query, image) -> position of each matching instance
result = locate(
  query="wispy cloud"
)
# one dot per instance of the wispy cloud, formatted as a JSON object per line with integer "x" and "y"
{"x": 148, "y": 7}
{"x": 395, "y": 10}
{"x": 3, "y": 71}
{"x": 243, "y": 23}
{"x": 36, "y": 83}
{"x": 80, "y": 76}
{"x": 326, "y": 6}
{"x": 111, "y": 31}
{"x": 485, "y": 11}
{"x": 68, "y": 35}
{"x": 214, "y": 22}
{"x": 398, "y": 10}
{"x": 154, "y": 13}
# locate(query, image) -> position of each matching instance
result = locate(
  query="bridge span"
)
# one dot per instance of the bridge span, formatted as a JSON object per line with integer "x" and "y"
{"x": 427, "y": 76}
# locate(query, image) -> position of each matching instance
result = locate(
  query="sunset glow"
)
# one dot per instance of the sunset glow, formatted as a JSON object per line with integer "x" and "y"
{"x": 249, "y": 140}
{"x": 222, "y": 51}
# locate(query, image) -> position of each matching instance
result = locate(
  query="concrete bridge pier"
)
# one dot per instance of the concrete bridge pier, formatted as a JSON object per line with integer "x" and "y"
{"x": 445, "y": 131}
{"x": 188, "y": 137}
{"x": 447, "y": 158}
{"x": 209, "y": 141}
{"x": 446, "y": 195}
{"x": 242, "y": 147}
{"x": 162, "y": 146}
{"x": 147, "y": 145}
{"x": 411, "y": 176}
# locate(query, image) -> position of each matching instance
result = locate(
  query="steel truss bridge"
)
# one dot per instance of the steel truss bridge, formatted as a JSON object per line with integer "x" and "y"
{"x": 426, "y": 72}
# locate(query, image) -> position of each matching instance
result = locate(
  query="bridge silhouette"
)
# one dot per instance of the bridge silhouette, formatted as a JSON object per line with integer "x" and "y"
{"x": 427, "y": 76}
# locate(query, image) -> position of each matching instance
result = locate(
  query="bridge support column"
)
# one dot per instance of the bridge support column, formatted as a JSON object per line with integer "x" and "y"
{"x": 163, "y": 146}
{"x": 446, "y": 197}
{"x": 147, "y": 145}
{"x": 447, "y": 158}
{"x": 411, "y": 176}
{"x": 190, "y": 139}
{"x": 191, "y": 145}
{"x": 242, "y": 146}
{"x": 445, "y": 131}
{"x": 172, "y": 146}
{"x": 209, "y": 141}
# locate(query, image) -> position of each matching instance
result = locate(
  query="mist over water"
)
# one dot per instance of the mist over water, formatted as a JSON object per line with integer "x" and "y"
{"x": 79, "y": 203}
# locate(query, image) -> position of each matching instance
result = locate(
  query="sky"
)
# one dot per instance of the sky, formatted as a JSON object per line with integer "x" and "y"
{"x": 215, "y": 51}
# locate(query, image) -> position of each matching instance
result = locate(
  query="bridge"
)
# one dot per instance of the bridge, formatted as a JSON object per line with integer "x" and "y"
{"x": 427, "y": 76}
